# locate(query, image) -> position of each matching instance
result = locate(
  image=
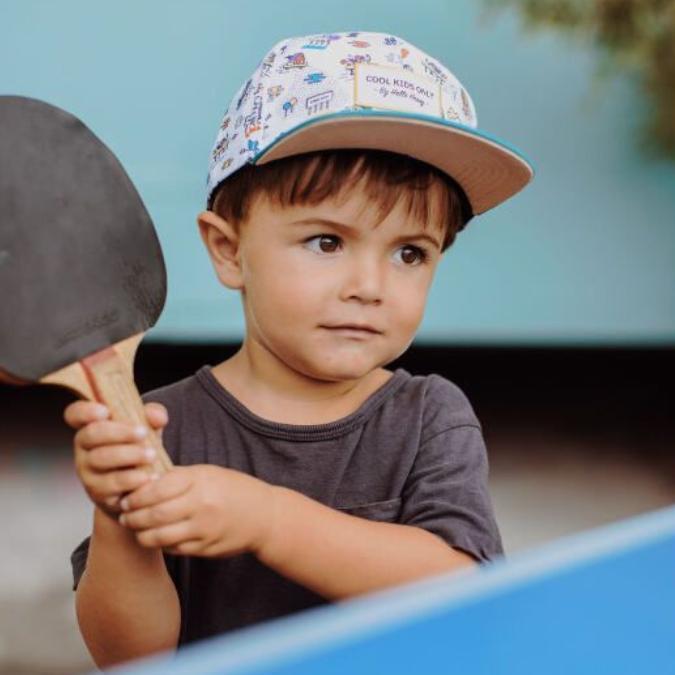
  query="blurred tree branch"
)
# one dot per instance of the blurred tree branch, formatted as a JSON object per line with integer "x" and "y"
{"x": 632, "y": 35}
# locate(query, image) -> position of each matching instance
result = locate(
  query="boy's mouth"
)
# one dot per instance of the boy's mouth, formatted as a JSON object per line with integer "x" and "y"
{"x": 355, "y": 328}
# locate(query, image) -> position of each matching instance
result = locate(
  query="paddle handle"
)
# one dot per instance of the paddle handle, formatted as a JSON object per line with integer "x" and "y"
{"x": 107, "y": 377}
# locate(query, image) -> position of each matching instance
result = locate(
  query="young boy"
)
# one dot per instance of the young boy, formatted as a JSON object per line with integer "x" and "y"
{"x": 306, "y": 472}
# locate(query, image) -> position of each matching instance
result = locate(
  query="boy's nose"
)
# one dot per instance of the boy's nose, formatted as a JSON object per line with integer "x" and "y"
{"x": 364, "y": 279}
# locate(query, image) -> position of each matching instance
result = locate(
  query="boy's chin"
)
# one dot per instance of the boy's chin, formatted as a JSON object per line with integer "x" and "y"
{"x": 343, "y": 371}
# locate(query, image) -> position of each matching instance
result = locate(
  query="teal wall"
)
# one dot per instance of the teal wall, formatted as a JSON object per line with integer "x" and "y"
{"x": 584, "y": 256}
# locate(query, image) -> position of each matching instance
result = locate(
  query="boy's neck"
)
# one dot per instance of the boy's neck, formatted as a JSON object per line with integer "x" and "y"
{"x": 277, "y": 394}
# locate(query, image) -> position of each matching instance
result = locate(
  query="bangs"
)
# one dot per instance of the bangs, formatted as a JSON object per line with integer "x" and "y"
{"x": 429, "y": 196}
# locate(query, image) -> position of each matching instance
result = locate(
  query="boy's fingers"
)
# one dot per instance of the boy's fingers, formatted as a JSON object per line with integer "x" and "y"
{"x": 168, "y": 511}
{"x": 168, "y": 486}
{"x": 115, "y": 482}
{"x": 117, "y": 456}
{"x": 108, "y": 432}
{"x": 168, "y": 535}
{"x": 79, "y": 413}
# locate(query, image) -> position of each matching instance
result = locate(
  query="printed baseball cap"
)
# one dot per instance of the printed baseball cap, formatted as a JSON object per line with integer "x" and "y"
{"x": 364, "y": 90}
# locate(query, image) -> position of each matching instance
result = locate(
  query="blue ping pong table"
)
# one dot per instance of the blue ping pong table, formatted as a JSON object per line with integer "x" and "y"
{"x": 598, "y": 602}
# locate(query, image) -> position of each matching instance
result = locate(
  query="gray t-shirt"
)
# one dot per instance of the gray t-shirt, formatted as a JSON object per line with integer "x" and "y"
{"x": 413, "y": 453}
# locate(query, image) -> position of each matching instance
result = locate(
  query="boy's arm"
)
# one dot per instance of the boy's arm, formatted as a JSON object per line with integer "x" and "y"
{"x": 339, "y": 556}
{"x": 126, "y": 602}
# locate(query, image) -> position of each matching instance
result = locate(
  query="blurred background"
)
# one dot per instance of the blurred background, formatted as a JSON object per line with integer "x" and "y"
{"x": 555, "y": 313}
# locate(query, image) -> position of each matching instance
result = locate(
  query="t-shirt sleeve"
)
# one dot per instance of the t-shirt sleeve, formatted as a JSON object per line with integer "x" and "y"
{"x": 447, "y": 494}
{"x": 78, "y": 561}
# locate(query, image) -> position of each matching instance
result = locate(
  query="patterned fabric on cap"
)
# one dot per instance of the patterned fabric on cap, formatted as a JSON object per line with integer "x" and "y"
{"x": 304, "y": 78}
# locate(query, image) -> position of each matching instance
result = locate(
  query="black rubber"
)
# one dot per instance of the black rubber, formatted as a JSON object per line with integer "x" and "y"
{"x": 81, "y": 266}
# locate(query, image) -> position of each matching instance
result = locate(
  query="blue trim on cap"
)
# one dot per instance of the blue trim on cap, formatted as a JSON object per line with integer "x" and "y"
{"x": 393, "y": 113}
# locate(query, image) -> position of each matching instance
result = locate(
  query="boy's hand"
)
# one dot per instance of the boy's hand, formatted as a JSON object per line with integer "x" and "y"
{"x": 110, "y": 456}
{"x": 201, "y": 510}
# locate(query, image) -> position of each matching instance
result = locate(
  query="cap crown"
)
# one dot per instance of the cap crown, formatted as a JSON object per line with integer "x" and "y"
{"x": 303, "y": 78}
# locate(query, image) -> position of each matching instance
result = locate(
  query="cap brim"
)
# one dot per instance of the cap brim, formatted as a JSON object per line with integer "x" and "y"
{"x": 489, "y": 170}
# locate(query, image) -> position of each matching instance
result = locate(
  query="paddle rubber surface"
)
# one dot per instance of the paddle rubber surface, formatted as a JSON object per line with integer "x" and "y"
{"x": 81, "y": 267}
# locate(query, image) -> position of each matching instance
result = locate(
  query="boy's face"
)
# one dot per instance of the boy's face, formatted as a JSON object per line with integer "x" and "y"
{"x": 301, "y": 280}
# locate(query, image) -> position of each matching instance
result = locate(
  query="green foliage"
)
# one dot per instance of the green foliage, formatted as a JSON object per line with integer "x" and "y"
{"x": 633, "y": 36}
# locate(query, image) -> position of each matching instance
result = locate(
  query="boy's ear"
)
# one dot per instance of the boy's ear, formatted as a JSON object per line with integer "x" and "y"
{"x": 222, "y": 244}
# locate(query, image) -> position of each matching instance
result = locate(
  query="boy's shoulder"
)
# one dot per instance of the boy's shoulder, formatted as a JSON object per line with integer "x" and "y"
{"x": 445, "y": 405}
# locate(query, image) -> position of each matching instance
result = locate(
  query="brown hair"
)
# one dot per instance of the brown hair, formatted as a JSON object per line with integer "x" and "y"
{"x": 311, "y": 177}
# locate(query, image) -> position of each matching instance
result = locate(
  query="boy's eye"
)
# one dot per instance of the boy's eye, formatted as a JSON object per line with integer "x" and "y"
{"x": 418, "y": 254}
{"x": 328, "y": 243}
{"x": 325, "y": 245}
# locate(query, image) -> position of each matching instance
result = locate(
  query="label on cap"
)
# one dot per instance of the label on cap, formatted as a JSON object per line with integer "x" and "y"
{"x": 392, "y": 88}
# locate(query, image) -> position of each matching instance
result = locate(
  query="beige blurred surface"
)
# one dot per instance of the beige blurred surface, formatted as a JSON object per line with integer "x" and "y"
{"x": 548, "y": 479}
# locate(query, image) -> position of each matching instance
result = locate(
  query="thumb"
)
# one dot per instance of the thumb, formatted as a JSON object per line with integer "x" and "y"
{"x": 157, "y": 416}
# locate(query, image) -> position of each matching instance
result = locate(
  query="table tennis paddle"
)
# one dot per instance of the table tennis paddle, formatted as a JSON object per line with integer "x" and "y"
{"x": 82, "y": 275}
